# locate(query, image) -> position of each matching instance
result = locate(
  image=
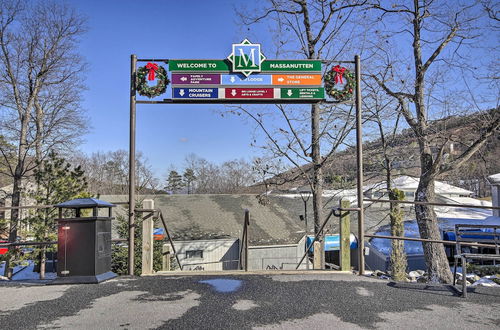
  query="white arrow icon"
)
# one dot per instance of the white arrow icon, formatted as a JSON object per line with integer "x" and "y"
{"x": 289, "y": 93}
{"x": 233, "y": 92}
{"x": 184, "y": 78}
{"x": 280, "y": 79}
{"x": 232, "y": 79}
{"x": 181, "y": 92}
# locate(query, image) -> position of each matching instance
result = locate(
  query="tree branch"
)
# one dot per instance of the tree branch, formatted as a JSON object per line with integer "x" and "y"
{"x": 467, "y": 154}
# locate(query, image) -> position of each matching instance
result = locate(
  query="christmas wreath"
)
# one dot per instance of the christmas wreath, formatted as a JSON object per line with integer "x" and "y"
{"x": 336, "y": 76}
{"x": 150, "y": 70}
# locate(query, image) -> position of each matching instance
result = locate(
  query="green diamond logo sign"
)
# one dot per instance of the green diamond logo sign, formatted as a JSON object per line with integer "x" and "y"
{"x": 246, "y": 57}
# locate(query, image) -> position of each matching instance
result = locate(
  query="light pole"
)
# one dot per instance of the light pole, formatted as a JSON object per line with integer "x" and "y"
{"x": 305, "y": 195}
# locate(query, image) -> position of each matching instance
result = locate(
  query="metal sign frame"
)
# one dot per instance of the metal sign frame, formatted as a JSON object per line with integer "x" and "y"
{"x": 132, "y": 147}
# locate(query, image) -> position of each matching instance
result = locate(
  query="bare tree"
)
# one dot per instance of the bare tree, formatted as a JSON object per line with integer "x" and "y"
{"x": 227, "y": 178}
{"x": 107, "y": 173}
{"x": 419, "y": 58}
{"x": 306, "y": 29}
{"x": 379, "y": 108}
{"x": 38, "y": 42}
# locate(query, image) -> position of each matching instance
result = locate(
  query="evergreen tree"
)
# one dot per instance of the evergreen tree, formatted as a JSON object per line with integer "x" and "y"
{"x": 189, "y": 179}
{"x": 174, "y": 182}
{"x": 56, "y": 181}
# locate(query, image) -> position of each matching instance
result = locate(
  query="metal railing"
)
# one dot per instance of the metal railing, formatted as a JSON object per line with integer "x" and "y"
{"x": 7, "y": 208}
{"x": 160, "y": 216}
{"x": 243, "y": 255}
{"x": 404, "y": 238}
{"x": 316, "y": 237}
{"x": 429, "y": 203}
{"x": 29, "y": 243}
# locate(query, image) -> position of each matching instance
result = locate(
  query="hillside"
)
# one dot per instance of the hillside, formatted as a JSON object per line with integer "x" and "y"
{"x": 340, "y": 170}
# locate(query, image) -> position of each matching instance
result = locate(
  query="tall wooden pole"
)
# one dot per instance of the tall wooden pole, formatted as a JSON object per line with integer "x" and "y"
{"x": 359, "y": 158}
{"x": 131, "y": 168}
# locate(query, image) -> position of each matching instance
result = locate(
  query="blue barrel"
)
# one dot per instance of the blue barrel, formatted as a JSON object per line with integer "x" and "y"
{"x": 332, "y": 242}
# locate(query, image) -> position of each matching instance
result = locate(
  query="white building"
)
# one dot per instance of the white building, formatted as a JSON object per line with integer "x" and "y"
{"x": 409, "y": 185}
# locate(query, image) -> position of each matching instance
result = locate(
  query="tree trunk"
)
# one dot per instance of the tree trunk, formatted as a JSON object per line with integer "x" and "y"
{"x": 317, "y": 193}
{"x": 14, "y": 218}
{"x": 435, "y": 257}
{"x": 38, "y": 155}
{"x": 398, "y": 256}
{"x": 42, "y": 259}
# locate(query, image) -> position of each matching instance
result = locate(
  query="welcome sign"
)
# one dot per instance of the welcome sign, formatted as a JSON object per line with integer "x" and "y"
{"x": 246, "y": 74}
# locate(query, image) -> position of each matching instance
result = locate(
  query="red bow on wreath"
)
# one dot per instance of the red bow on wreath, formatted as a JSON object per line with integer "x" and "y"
{"x": 152, "y": 67}
{"x": 339, "y": 72}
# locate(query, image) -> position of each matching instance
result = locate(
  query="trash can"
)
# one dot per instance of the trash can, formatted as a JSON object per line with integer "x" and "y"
{"x": 84, "y": 242}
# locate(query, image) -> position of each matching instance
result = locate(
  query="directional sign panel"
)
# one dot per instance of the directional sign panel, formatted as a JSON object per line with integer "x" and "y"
{"x": 249, "y": 93}
{"x": 297, "y": 79}
{"x": 239, "y": 93}
{"x": 195, "y": 93}
{"x": 195, "y": 79}
{"x": 302, "y": 93}
{"x": 254, "y": 79}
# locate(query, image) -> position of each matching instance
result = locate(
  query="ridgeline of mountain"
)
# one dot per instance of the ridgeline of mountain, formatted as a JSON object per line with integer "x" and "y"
{"x": 460, "y": 131}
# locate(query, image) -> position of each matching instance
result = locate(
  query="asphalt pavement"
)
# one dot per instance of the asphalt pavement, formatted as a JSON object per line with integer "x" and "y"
{"x": 236, "y": 301}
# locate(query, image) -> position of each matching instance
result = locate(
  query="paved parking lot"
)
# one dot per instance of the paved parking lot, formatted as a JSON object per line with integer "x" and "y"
{"x": 316, "y": 301}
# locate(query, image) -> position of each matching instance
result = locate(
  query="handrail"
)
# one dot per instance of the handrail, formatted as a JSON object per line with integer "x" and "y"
{"x": 430, "y": 203}
{"x": 169, "y": 238}
{"x": 244, "y": 241}
{"x": 115, "y": 240}
{"x": 332, "y": 212}
{"x": 6, "y": 208}
{"x": 403, "y": 238}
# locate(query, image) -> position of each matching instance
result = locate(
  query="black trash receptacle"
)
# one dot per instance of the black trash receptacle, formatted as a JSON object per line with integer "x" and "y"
{"x": 84, "y": 242}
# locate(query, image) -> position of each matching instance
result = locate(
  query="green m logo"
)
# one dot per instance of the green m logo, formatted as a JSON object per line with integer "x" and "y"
{"x": 246, "y": 57}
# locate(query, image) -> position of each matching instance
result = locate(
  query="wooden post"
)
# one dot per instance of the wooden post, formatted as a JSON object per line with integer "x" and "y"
{"x": 165, "y": 265}
{"x": 345, "y": 237}
{"x": 317, "y": 255}
{"x": 147, "y": 239}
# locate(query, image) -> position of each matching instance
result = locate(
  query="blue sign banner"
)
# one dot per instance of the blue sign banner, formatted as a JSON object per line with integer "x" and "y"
{"x": 253, "y": 79}
{"x": 195, "y": 93}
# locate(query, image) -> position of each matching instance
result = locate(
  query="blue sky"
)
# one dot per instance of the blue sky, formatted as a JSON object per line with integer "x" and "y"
{"x": 159, "y": 29}
{"x": 174, "y": 29}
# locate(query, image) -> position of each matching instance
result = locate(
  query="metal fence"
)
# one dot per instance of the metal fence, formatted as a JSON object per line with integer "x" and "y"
{"x": 285, "y": 264}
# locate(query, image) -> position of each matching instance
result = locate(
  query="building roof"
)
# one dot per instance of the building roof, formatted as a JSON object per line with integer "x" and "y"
{"x": 406, "y": 182}
{"x": 494, "y": 179}
{"x": 196, "y": 217}
{"x": 462, "y": 212}
{"x": 79, "y": 203}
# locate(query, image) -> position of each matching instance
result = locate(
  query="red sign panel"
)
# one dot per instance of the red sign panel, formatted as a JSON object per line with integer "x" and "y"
{"x": 249, "y": 93}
